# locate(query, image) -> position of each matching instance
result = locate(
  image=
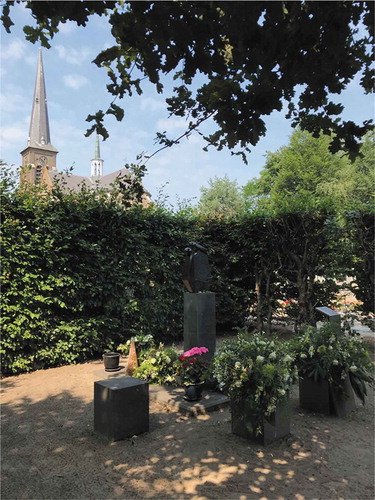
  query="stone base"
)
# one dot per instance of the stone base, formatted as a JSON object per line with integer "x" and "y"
{"x": 121, "y": 407}
{"x": 200, "y": 321}
{"x": 174, "y": 397}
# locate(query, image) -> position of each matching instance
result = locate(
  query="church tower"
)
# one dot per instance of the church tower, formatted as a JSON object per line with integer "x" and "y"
{"x": 97, "y": 162}
{"x": 39, "y": 153}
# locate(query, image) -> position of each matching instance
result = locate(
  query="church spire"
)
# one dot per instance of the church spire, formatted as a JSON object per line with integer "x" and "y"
{"x": 39, "y": 154}
{"x": 39, "y": 135}
{"x": 97, "y": 162}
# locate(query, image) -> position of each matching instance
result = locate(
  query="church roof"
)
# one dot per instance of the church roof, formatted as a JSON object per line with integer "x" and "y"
{"x": 75, "y": 182}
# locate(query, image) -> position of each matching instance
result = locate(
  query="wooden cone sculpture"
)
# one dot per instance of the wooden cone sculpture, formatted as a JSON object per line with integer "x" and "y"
{"x": 132, "y": 359}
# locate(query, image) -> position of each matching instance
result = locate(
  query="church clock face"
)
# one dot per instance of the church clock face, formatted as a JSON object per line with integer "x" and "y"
{"x": 43, "y": 160}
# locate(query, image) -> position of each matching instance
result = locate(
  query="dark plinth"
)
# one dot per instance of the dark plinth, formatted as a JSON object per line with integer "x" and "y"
{"x": 315, "y": 396}
{"x": 332, "y": 316}
{"x": 245, "y": 423}
{"x": 200, "y": 321}
{"x": 322, "y": 398}
{"x": 121, "y": 407}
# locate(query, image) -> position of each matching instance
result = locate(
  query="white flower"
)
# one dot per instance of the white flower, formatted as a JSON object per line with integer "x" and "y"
{"x": 238, "y": 383}
{"x": 260, "y": 359}
{"x": 152, "y": 361}
{"x": 288, "y": 358}
{"x": 311, "y": 350}
{"x": 272, "y": 355}
{"x": 237, "y": 365}
{"x": 167, "y": 359}
{"x": 303, "y": 356}
{"x": 335, "y": 362}
{"x": 353, "y": 368}
{"x": 281, "y": 392}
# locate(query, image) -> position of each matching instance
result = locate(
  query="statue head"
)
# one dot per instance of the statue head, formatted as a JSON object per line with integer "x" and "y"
{"x": 197, "y": 271}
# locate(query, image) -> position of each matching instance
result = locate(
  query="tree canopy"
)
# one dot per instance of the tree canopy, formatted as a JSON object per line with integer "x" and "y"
{"x": 305, "y": 175}
{"x": 253, "y": 58}
{"x": 222, "y": 198}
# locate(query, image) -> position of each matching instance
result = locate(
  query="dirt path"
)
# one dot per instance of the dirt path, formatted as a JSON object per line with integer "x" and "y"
{"x": 49, "y": 450}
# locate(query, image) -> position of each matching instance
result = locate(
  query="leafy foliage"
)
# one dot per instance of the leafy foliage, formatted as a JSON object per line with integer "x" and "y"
{"x": 222, "y": 198}
{"x": 253, "y": 56}
{"x": 159, "y": 366}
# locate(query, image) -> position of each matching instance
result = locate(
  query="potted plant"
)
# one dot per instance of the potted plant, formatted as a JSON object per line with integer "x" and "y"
{"x": 331, "y": 365}
{"x": 192, "y": 371}
{"x": 256, "y": 372}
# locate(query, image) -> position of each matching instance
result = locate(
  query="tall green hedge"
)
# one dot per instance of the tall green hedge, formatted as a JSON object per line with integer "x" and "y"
{"x": 80, "y": 274}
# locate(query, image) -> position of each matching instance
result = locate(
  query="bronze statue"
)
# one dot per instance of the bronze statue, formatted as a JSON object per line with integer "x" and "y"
{"x": 197, "y": 272}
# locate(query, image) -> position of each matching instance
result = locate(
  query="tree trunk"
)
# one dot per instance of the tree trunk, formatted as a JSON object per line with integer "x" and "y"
{"x": 259, "y": 307}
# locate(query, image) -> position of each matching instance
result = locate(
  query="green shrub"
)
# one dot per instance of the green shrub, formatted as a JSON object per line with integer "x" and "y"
{"x": 159, "y": 366}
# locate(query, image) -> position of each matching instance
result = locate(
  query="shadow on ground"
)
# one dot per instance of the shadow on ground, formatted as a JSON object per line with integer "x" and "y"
{"x": 49, "y": 451}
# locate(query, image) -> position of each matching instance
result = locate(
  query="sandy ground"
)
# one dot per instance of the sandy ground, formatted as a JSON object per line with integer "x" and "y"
{"x": 49, "y": 450}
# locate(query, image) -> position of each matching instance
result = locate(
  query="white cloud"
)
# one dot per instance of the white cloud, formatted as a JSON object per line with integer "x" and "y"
{"x": 14, "y": 50}
{"x": 171, "y": 124}
{"x": 74, "y": 81}
{"x": 151, "y": 104}
{"x": 12, "y": 135}
{"x": 73, "y": 56}
{"x": 67, "y": 28}
{"x": 13, "y": 100}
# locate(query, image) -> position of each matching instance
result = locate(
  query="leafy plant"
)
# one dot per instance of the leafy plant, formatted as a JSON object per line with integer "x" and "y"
{"x": 159, "y": 365}
{"x": 193, "y": 366}
{"x": 257, "y": 369}
{"x": 327, "y": 354}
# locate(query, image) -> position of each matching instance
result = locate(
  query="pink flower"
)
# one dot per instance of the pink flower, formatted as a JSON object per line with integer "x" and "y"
{"x": 195, "y": 351}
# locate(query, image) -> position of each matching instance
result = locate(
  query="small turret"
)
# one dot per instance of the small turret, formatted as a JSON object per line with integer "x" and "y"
{"x": 97, "y": 162}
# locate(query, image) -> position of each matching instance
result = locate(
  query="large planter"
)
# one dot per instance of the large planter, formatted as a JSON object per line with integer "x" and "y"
{"x": 321, "y": 397}
{"x": 245, "y": 422}
{"x": 193, "y": 392}
{"x": 111, "y": 361}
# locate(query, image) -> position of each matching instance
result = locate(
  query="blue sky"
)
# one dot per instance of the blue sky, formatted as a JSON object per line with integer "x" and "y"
{"x": 76, "y": 88}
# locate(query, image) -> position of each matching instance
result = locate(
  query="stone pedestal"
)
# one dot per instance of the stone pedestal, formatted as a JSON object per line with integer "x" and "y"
{"x": 121, "y": 407}
{"x": 200, "y": 321}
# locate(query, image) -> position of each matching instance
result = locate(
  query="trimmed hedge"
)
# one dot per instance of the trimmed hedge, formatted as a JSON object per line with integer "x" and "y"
{"x": 80, "y": 274}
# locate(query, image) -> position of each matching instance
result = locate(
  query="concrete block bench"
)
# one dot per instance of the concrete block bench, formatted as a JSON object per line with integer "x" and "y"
{"x": 121, "y": 407}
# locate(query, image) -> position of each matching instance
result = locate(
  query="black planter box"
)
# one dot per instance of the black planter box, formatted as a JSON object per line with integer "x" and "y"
{"x": 245, "y": 423}
{"x": 322, "y": 398}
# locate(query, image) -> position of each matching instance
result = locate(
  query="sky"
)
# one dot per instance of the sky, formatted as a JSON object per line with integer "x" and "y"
{"x": 76, "y": 87}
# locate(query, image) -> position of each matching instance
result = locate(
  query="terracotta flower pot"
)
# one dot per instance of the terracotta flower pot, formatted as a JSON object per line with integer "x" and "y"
{"x": 111, "y": 361}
